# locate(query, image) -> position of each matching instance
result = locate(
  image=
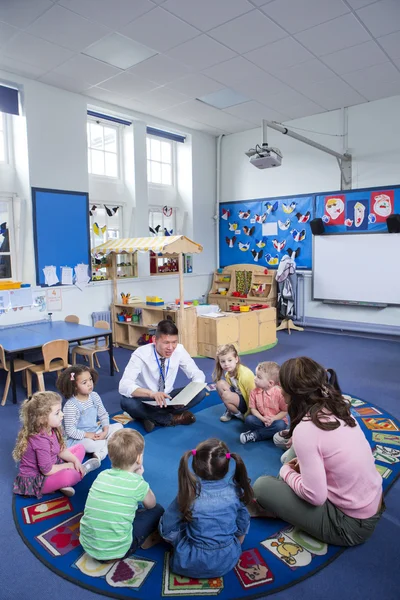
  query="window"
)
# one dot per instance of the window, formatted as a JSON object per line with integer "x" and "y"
{"x": 6, "y": 243}
{"x": 163, "y": 218}
{"x": 103, "y": 144}
{"x": 160, "y": 161}
{"x": 3, "y": 138}
{"x": 105, "y": 223}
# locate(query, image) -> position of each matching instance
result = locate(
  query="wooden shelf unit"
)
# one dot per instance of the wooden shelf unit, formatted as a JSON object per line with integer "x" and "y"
{"x": 126, "y": 334}
{"x": 103, "y": 271}
{"x": 259, "y": 286}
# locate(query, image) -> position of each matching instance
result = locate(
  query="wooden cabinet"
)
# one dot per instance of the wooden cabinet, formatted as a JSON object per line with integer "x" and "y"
{"x": 248, "y": 331}
{"x": 126, "y": 266}
{"x": 127, "y": 333}
{"x": 251, "y": 281}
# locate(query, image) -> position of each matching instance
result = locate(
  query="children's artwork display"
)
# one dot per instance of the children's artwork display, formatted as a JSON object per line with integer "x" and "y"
{"x": 262, "y": 231}
{"x": 364, "y": 210}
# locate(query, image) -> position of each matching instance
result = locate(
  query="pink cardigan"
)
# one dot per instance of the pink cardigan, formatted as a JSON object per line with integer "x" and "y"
{"x": 335, "y": 465}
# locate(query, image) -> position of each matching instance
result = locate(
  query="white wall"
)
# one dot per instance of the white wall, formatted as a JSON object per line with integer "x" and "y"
{"x": 57, "y": 150}
{"x": 373, "y": 140}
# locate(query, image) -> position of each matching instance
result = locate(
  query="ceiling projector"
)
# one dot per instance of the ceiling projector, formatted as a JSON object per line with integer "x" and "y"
{"x": 264, "y": 157}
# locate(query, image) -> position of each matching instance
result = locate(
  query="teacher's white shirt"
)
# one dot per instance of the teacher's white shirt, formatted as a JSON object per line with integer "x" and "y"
{"x": 143, "y": 371}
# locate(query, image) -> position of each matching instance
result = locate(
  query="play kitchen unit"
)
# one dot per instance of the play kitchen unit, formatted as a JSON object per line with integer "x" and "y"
{"x": 239, "y": 286}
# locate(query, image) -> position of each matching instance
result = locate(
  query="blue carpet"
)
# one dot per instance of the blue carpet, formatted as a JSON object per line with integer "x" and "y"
{"x": 267, "y": 564}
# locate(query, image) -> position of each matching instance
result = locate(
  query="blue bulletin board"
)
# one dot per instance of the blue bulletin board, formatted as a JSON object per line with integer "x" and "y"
{"x": 261, "y": 231}
{"x": 358, "y": 211}
{"x": 61, "y": 230}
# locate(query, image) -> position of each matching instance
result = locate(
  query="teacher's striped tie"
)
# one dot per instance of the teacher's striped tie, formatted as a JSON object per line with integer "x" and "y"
{"x": 161, "y": 381}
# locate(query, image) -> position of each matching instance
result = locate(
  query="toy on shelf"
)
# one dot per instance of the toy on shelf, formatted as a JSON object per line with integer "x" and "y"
{"x": 245, "y": 284}
{"x": 144, "y": 339}
{"x": 125, "y": 298}
{"x": 154, "y": 301}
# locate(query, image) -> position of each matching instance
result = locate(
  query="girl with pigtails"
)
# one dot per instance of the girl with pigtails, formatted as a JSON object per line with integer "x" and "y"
{"x": 207, "y": 522}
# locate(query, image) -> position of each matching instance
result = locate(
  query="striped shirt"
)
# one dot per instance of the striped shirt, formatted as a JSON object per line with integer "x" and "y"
{"x": 106, "y": 525}
{"x": 72, "y": 415}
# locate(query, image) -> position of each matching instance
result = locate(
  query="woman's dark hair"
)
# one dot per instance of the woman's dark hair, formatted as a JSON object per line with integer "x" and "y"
{"x": 314, "y": 393}
{"x": 166, "y": 327}
{"x": 66, "y": 382}
{"x": 210, "y": 462}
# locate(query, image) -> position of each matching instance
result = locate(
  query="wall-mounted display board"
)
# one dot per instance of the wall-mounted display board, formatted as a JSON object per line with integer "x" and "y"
{"x": 261, "y": 231}
{"x": 358, "y": 211}
{"x": 61, "y": 230}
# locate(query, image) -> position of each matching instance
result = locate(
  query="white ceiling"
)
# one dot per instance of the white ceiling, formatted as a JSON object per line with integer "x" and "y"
{"x": 289, "y": 58}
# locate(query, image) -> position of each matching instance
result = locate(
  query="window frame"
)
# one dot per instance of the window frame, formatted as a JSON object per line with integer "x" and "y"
{"x": 117, "y": 128}
{"x": 6, "y": 130}
{"x": 172, "y": 143}
{"x": 12, "y": 252}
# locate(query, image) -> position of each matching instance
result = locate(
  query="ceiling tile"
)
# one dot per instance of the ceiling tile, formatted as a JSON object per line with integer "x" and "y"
{"x": 297, "y": 15}
{"x": 382, "y": 17}
{"x": 300, "y": 76}
{"x": 201, "y": 52}
{"x": 20, "y": 68}
{"x": 377, "y": 75}
{"x": 262, "y": 88}
{"x": 114, "y": 14}
{"x": 307, "y": 108}
{"x": 259, "y": 2}
{"x": 279, "y": 55}
{"x": 207, "y": 14}
{"x": 337, "y": 34}
{"x": 22, "y": 13}
{"x": 254, "y": 112}
{"x": 36, "y": 52}
{"x": 356, "y": 57}
{"x": 119, "y": 51}
{"x": 159, "y": 30}
{"x": 391, "y": 44}
{"x": 161, "y": 97}
{"x": 87, "y": 69}
{"x": 334, "y": 93}
{"x": 286, "y": 102}
{"x": 6, "y": 33}
{"x": 67, "y": 29}
{"x": 247, "y": 32}
{"x": 128, "y": 85}
{"x": 355, "y": 4}
{"x": 235, "y": 70}
{"x": 224, "y": 98}
{"x": 386, "y": 87}
{"x": 66, "y": 83}
{"x": 105, "y": 95}
{"x": 161, "y": 69}
{"x": 195, "y": 85}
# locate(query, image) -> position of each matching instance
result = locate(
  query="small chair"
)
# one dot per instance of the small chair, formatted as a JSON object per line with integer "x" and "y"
{"x": 90, "y": 350}
{"x": 55, "y": 355}
{"x": 71, "y": 319}
{"x": 19, "y": 365}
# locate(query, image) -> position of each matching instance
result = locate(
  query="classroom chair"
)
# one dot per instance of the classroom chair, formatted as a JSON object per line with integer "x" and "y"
{"x": 55, "y": 355}
{"x": 91, "y": 350}
{"x": 71, "y": 319}
{"x": 19, "y": 365}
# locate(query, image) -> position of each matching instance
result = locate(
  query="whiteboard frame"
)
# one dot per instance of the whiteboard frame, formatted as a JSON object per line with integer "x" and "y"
{"x": 346, "y": 302}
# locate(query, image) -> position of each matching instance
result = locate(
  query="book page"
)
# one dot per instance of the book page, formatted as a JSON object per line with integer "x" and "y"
{"x": 184, "y": 396}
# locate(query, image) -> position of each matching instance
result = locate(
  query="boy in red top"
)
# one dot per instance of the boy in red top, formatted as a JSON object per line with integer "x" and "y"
{"x": 267, "y": 405}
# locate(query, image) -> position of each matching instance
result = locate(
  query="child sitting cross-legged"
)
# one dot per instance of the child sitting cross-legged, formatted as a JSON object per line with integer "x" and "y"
{"x": 112, "y": 525}
{"x": 267, "y": 405}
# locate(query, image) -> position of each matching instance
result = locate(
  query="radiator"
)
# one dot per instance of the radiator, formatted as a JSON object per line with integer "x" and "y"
{"x": 104, "y": 315}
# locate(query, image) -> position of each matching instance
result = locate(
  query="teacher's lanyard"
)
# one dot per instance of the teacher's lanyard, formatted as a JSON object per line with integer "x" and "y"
{"x": 159, "y": 367}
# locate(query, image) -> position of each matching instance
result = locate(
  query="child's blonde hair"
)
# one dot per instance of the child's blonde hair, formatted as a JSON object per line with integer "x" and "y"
{"x": 34, "y": 416}
{"x": 270, "y": 369}
{"x": 222, "y": 351}
{"x": 124, "y": 448}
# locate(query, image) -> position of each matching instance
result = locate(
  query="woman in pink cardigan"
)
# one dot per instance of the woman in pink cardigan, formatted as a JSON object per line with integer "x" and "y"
{"x": 332, "y": 490}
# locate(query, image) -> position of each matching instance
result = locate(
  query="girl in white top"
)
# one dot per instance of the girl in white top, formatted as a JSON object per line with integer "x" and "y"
{"x": 84, "y": 410}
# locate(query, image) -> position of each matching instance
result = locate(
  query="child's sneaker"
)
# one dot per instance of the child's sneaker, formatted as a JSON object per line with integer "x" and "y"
{"x": 67, "y": 491}
{"x": 239, "y": 416}
{"x": 247, "y": 436}
{"x": 91, "y": 465}
{"x": 227, "y": 416}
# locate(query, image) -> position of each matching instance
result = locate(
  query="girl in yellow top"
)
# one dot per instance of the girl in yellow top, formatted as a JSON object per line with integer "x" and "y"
{"x": 234, "y": 383}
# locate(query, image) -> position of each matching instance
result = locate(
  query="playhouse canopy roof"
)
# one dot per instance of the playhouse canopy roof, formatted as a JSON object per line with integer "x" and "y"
{"x": 171, "y": 244}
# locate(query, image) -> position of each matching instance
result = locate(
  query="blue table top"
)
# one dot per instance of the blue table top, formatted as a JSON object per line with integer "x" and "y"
{"x": 34, "y": 335}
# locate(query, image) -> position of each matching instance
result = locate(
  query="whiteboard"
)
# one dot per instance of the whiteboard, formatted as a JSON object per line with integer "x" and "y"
{"x": 357, "y": 267}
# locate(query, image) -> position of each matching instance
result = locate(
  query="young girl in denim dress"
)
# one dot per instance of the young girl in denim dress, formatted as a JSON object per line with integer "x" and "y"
{"x": 207, "y": 522}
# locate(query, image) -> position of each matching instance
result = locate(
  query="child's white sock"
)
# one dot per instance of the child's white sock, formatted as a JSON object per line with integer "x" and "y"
{"x": 239, "y": 415}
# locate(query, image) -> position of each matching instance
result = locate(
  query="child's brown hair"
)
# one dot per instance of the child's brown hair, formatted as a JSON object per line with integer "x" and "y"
{"x": 124, "y": 448}
{"x": 34, "y": 415}
{"x": 210, "y": 462}
{"x": 221, "y": 351}
{"x": 66, "y": 382}
{"x": 270, "y": 369}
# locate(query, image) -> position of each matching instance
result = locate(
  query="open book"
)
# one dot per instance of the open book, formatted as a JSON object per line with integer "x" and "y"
{"x": 184, "y": 396}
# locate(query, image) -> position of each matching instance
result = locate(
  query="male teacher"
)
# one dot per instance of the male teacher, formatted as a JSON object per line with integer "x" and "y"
{"x": 150, "y": 375}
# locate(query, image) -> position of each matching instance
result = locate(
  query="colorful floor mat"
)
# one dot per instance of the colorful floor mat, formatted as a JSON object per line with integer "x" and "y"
{"x": 275, "y": 555}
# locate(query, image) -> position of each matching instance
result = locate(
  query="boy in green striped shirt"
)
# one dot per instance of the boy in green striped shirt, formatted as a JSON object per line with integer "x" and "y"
{"x": 112, "y": 526}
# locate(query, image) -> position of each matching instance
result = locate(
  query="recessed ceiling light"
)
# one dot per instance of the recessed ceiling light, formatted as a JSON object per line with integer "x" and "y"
{"x": 224, "y": 98}
{"x": 119, "y": 51}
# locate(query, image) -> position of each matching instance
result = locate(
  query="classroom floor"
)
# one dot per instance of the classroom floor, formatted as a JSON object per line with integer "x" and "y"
{"x": 367, "y": 368}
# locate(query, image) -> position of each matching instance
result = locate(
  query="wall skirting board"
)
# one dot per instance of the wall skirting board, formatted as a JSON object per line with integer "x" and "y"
{"x": 388, "y": 332}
